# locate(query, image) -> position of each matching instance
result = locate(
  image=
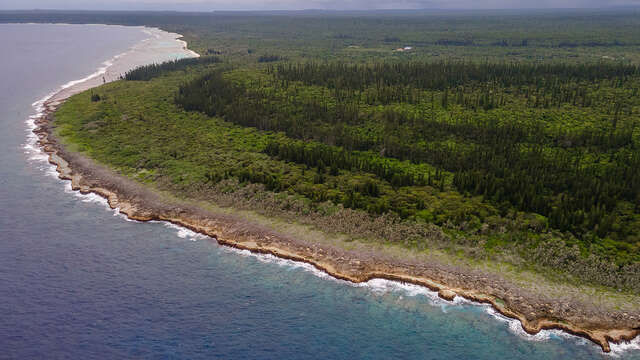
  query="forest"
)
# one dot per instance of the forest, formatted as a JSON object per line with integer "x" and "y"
{"x": 148, "y": 72}
{"x": 582, "y": 178}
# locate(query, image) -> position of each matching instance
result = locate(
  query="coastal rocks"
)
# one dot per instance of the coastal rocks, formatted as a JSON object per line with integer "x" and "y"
{"x": 447, "y": 294}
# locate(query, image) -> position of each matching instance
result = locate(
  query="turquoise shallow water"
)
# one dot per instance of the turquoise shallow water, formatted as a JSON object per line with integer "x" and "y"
{"x": 78, "y": 282}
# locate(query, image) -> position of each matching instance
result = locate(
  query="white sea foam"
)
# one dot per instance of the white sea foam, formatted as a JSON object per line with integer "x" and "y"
{"x": 101, "y": 70}
{"x": 618, "y": 350}
{"x": 377, "y": 286}
{"x": 183, "y": 232}
{"x": 92, "y": 198}
{"x": 268, "y": 258}
{"x": 381, "y": 286}
{"x": 31, "y": 147}
{"x": 516, "y": 328}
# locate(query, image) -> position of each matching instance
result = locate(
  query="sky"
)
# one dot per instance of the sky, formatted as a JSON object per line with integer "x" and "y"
{"x": 210, "y": 5}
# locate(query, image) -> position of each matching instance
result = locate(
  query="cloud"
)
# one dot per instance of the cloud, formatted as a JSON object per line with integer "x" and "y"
{"x": 208, "y": 5}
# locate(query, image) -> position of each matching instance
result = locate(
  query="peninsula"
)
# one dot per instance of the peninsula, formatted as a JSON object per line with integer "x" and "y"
{"x": 497, "y": 167}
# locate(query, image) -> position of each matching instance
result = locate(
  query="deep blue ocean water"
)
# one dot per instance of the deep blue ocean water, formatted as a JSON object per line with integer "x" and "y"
{"x": 78, "y": 282}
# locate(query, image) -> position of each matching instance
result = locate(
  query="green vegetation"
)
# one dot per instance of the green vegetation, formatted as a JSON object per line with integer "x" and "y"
{"x": 493, "y": 130}
{"x": 509, "y": 137}
{"x": 148, "y": 72}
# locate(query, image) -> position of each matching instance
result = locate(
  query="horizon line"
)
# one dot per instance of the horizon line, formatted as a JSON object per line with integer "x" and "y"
{"x": 319, "y": 9}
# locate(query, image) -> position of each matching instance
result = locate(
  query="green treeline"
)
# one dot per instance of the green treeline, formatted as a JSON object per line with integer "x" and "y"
{"x": 148, "y": 72}
{"x": 333, "y": 159}
{"x": 442, "y": 75}
{"x": 474, "y": 85}
{"x": 582, "y": 178}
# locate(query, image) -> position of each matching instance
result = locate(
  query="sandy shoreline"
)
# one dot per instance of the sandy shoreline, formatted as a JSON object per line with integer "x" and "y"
{"x": 145, "y": 52}
{"x": 141, "y": 204}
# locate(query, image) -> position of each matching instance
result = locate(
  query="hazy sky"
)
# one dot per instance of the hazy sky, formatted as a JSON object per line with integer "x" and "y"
{"x": 208, "y": 5}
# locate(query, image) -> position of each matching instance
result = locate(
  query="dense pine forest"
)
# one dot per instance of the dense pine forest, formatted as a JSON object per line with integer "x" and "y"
{"x": 514, "y": 136}
{"x": 494, "y": 130}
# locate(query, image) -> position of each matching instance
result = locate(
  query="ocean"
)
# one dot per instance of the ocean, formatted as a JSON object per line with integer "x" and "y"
{"x": 78, "y": 280}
